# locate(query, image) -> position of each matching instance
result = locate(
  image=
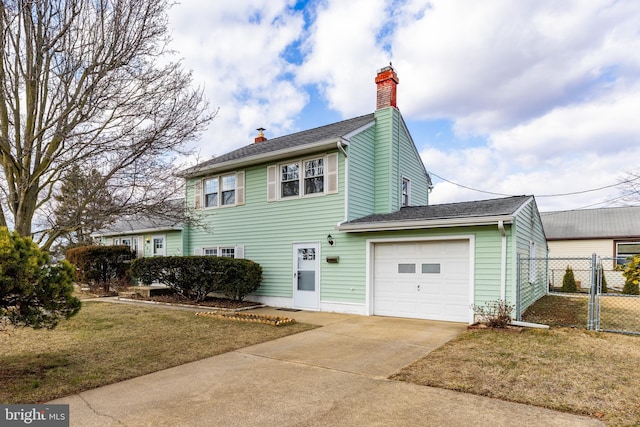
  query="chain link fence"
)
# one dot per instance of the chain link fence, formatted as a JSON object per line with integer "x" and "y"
{"x": 580, "y": 292}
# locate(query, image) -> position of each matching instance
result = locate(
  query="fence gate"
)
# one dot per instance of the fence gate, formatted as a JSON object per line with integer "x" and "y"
{"x": 598, "y": 282}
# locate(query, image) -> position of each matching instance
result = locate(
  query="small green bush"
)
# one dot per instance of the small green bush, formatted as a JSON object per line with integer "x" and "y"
{"x": 631, "y": 273}
{"x": 197, "y": 276}
{"x": 569, "y": 281}
{"x": 101, "y": 266}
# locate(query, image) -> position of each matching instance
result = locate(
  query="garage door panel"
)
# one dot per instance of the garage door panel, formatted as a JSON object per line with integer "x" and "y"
{"x": 441, "y": 292}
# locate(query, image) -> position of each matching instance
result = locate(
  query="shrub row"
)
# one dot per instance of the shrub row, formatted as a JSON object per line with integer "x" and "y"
{"x": 101, "y": 265}
{"x": 197, "y": 276}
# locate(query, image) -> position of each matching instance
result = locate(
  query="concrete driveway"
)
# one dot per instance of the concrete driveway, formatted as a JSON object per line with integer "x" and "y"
{"x": 331, "y": 376}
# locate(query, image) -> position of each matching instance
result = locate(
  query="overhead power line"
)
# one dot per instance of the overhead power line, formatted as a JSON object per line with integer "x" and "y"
{"x": 537, "y": 196}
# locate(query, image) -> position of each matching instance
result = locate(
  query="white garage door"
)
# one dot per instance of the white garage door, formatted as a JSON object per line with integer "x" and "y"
{"x": 424, "y": 280}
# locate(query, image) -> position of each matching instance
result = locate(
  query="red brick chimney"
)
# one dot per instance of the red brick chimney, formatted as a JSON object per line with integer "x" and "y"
{"x": 386, "y": 82}
{"x": 260, "y": 137}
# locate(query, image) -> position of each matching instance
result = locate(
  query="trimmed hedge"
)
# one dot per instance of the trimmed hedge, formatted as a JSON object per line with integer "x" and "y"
{"x": 101, "y": 265}
{"x": 197, "y": 276}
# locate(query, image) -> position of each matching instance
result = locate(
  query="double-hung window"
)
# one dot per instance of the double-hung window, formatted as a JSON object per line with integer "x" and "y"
{"x": 224, "y": 190}
{"x": 290, "y": 179}
{"x": 221, "y": 251}
{"x": 211, "y": 190}
{"x": 314, "y": 176}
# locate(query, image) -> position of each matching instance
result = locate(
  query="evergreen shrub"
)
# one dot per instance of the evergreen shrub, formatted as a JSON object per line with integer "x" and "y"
{"x": 197, "y": 276}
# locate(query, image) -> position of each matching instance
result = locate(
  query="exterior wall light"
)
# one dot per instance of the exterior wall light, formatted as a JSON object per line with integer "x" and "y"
{"x": 330, "y": 240}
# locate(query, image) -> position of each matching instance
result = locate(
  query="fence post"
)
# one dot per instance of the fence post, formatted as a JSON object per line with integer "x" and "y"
{"x": 518, "y": 283}
{"x": 592, "y": 293}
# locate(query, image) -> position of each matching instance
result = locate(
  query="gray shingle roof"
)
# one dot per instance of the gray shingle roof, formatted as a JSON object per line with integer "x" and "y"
{"x": 592, "y": 223}
{"x": 480, "y": 208}
{"x": 331, "y": 131}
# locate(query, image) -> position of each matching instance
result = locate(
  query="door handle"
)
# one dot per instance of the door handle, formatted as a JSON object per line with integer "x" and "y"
{"x": 418, "y": 288}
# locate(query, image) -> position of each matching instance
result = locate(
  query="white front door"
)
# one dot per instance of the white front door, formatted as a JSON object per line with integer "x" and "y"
{"x": 158, "y": 246}
{"x": 306, "y": 292}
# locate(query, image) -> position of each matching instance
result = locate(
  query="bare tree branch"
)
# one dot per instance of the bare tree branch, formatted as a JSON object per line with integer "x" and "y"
{"x": 89, "y": 83}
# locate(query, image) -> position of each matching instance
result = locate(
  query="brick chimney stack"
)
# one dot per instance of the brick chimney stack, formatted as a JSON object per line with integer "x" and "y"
{"x": 386, "y": 82}
{"x": 260, "y": 137}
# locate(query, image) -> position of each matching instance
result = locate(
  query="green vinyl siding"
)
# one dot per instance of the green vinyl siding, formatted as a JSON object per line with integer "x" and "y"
{"x": 351, "y": 271}
{"x": 362, "y": 171}
{"x": 383, "y": 151}
{"x": 267, "y": 230}
{"x": 529, "y": 229}
{"x": 396, "y": 157}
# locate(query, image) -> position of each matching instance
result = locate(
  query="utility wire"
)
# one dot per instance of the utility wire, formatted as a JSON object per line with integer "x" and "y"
{"x": 537, "y": 196}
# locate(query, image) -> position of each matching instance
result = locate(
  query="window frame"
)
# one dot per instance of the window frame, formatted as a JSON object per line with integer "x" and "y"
{"x": 220, "y": 194}
{"x": 405, "y": 197}
{"x": 302, "y": 177}
{"x": 622, "y": 259}
{"x": 219, "y": 251}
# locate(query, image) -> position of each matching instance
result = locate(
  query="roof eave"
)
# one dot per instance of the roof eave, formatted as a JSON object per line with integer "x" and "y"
{"x": 429, "y": 223}
{"x": 264, "y": 157}
{"x": 140, "y": 231}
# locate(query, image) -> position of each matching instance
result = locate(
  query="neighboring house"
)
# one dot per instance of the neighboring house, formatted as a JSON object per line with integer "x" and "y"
{"x": 146, "y": 237}
{"x": 608, "y": 232}
{"x": 338, "y": 218}
{"x": 613, "y": 234}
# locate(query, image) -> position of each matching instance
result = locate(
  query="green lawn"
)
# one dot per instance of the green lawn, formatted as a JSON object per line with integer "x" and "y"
{"x": 107, "y": 343}
{"x": 567, "y": 369}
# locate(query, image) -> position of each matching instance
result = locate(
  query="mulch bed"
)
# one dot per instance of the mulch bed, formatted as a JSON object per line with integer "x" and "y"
{"x": 249, "y": 317}
{"x": 213, "y": 302}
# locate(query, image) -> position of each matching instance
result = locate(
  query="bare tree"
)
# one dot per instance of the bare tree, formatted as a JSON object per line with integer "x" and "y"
{"x": 89, "y": 82}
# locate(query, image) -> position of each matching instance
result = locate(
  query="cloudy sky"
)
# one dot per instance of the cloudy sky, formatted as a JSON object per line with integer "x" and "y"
{"x": 503, "y": 97}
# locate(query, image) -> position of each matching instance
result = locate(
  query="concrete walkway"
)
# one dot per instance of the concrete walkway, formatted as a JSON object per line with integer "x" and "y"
{"x": 331, "y": 376}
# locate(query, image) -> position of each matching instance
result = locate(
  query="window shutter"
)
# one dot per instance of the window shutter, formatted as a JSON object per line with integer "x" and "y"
{"x": 197, "y": 196}
{"x": 239, "y": 252}
{"x": 197, "y": 251}
{"x": 332, "y": 173}
{"x": 240, "y": 188}
{"x": 272, "y": 184}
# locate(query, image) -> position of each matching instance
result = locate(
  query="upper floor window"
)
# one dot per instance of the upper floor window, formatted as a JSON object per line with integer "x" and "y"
{"x": 290, "y": 180}
{"x": 224, "y": 190}
{"x": 314, "y": 176}
{"x": 228, "y": 190}
{"x": 406, "y": 191}
{"x": 304, "y": 177}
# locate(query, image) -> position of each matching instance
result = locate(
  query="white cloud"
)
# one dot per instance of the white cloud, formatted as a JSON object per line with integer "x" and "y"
{"x": 235, "y": 49}
{"x": 342, "y": 54}
{"x": 548, "y": 91}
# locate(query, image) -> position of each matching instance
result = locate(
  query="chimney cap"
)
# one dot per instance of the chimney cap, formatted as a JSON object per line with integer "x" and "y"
{"x": 260, "y": 137}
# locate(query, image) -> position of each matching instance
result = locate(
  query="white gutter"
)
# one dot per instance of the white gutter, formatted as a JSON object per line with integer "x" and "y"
{"x": 434, "y": 223}
{"x": 346, "y": 181}
{"x": 503, "y": 262}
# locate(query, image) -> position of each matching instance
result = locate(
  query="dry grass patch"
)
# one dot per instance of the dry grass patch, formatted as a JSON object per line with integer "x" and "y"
{"x": 107, "y": 343}
{"x": 577, "y": 371}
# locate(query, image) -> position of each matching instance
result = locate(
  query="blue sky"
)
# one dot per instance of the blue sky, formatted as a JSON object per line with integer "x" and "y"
{"x": 510, "y": 97}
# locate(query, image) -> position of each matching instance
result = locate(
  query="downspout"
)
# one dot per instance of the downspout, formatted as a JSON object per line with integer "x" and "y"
{"x": 346, "y": 183}
{"x": 503, "y": 262}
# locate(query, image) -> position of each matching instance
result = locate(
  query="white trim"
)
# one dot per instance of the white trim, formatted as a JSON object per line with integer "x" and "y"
{"x": 370, "y": 261}
{"x": 405, "y": 178}
{"x": 503, "y": 261}
{"x": 294, "y": 278}
{"x": 428, "y": 223}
